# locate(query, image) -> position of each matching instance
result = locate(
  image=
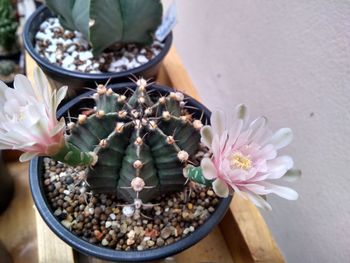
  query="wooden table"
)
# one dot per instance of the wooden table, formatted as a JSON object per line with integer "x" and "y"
{"x": 242, "y": 236}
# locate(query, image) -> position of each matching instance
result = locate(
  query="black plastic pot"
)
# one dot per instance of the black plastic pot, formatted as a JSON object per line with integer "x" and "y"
{"x": 6, "y": 186}
{"x": 36, "y": 185}
{"x": 77, "y": 80}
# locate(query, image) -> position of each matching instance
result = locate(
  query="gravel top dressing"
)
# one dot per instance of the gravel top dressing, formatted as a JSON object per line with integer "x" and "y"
{"x": 72, "y": 52}
{"x": 106, "y": 221}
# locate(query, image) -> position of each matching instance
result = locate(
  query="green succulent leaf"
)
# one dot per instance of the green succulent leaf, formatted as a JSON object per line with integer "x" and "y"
{"x": 140, "y": 19}
{"x": 108, "y": 26}
{"x": 81, "y": 16}
{"x": 63, "y": 9}
{"x": 104, "y": 23}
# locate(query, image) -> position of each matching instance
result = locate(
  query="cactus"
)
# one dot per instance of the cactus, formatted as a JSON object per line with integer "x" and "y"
{"x": 136, "y": 146}
{"x": 8, "y": 25}
{"x": 7, "y": 67}
{"x": 104, "y": 23}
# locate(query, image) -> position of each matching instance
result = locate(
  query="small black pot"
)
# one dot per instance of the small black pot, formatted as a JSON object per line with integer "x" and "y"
{"x": 36, "y": 185}
{"x": 77, "y": 80}
{"x": 6, "y": 186}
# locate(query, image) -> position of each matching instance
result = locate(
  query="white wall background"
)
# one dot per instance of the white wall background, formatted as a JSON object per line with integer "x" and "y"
{"x": 289, "y": 61}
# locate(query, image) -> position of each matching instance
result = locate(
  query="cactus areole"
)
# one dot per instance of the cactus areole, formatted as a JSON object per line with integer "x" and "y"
{"x": 135, "y": 144}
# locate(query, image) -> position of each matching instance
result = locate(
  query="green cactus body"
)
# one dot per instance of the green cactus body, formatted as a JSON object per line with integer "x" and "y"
{"x": 142, "y": 145}
{"x": 123, "y": 21}
{"x": 8, "y": 26}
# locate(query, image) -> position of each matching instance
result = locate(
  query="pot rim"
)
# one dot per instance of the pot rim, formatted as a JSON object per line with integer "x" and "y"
{"x": 35, "y": 172}
{"x": 47, "y": 65}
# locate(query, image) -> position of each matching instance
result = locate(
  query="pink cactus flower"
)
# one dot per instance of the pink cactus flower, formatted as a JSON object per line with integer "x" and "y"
{"x": 28, "y": 117}
{"x": 244, "y": 157}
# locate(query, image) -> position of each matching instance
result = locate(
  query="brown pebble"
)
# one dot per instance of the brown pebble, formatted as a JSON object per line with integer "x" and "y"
{"x": 166, "y": 232}
{"x": 98, "y": 235}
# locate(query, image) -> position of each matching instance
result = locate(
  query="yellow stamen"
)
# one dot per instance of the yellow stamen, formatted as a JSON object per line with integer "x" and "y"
{"x": 240, "y": 161}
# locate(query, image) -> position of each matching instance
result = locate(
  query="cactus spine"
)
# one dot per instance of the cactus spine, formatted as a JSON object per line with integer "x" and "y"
{"x": 137, "y": 145}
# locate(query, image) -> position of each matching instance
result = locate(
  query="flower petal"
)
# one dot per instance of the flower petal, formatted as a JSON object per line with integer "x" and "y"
{"x": 258, "y": 201}
{"x": 282, "y": 191}
{"x": 208, "y": 168}
{"x": 58, "y": 128}
{"x": 23, "y": 87}
{"x": 42, "y": 88}
{"x": 258, "y": 128}
{"x": 242, "y": 111}
{"x": 215, "y": 147}
{"x": 220, "y": 188}
{"x": 282, "y": 138}
{"x": 234, "y": 132}
{"x": 217, "y": 121}
{"x": 292, "y": 175}
{"x": 285, "y": 161}
{"x": 61, "y": 93}
{"x": 27, "y": 156}
{"x": 207, "y": 136}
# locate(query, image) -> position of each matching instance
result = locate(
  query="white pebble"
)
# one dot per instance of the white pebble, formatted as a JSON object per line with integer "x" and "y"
{"x": 40, "y": 36}
{"x": 66, "y": 192}
{"x": 108, "y": 224}
{"x": 104, "y": 242}
{"x": 68, "y": 60}
{"x": 119, "y": 62}
{"x": 71, "y": 48}
{"x": 52, "y": 58}
{"x": 44, "y": 25}
{"x": 74, "y": 54}
{"x": 85, "y": 55}
{"x": 67, "y": 42}
{"x": 91, "y": 210}
{"x": 62, "y": 174}
{"x": 142, "y": 59}
{"x": 112, "y": 216}
{"x": 58, "y": 212}
{"x": 66, "y": 223}
{"x": 82, "y": 67}
{"x": 128, "y": 210}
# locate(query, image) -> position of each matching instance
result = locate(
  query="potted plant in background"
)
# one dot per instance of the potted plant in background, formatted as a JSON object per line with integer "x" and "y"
{"x": 115, "y": 186}
{"x": 79, "y": 42}
{"x": 9, "y": 46}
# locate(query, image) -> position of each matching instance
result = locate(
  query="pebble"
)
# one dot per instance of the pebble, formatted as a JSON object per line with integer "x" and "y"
{"x": 104, "y": 242}
{"x": 129, "y": 241}
{"x": 160, "y": 242}
{"x": 128, "y": 210}
{"x": 166, "y": 232}
{"x": 52, "y": 38}
{"x": 102, "y": 222}
{"x": 150, "y": 243}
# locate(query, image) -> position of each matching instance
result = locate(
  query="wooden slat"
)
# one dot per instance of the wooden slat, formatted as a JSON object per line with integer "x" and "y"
{"x": 177, "y": 75}
{"x": 250, "y": 239}
{"x": 17, "y": 223}
{"x": 51, "y": 248}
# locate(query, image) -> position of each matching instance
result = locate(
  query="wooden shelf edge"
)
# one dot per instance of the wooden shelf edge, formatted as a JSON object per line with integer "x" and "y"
{"x": 250, "y": 239}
